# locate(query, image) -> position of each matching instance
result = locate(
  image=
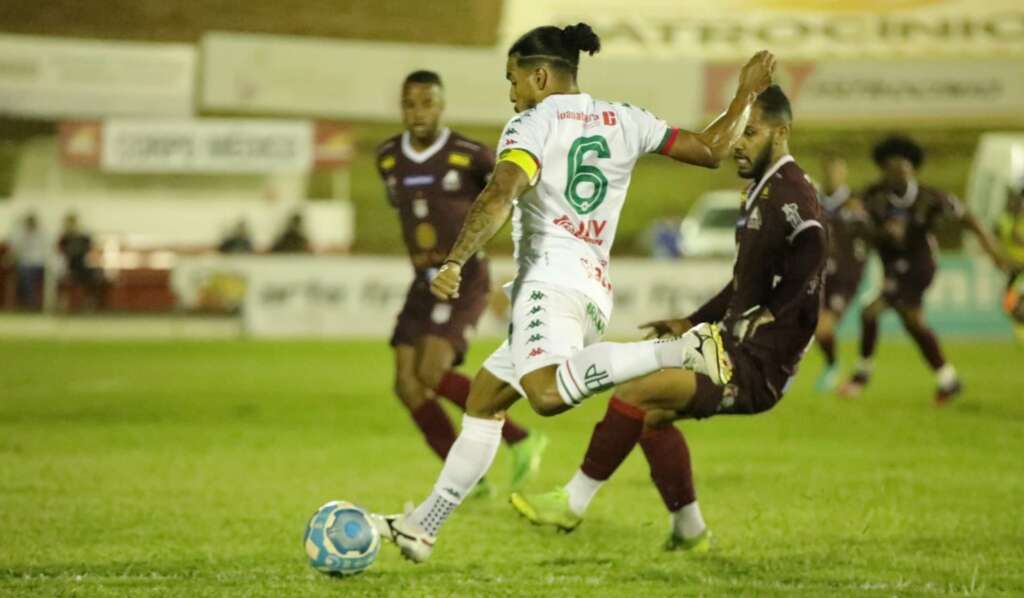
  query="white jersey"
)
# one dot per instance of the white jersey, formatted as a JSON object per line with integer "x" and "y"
{"x": 563, "y": 228}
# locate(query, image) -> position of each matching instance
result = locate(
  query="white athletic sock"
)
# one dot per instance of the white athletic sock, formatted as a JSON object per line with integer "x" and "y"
{"x": 946, "y": 375}
{"x": 468, "y": 460}
{"x": 603, "y": 365}
{"x": 582, "y": 489}
{"x": 687, "y": 522}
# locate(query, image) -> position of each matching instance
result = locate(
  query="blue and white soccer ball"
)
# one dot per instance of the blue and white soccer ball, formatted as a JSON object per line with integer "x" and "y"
{"x": 340, "y": 539}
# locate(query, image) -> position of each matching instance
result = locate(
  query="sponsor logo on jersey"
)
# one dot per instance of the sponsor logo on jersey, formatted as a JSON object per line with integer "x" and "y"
{"x": 596, "y": 273}
{"x": 460, "y": 159}
{"x": 418, "y": 180}
{"x": 534, "y": 352}
{"x": 792, "y": 212}
{"x": 420, "y": 208}
{"x": 387, "y": 163}
{"x": 426, "y": 235}
{"x": 596, "y": 318}
{"x": 451, "y": 181}
{"x": 754, "y": 220}
{"x": 587, "y": 231}
{"x": 580, "y": 116}
{"x": 609, "y": 118}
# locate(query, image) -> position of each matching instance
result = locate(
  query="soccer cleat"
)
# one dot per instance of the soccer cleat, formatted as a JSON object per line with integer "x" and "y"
{"x": 945, "y": 395}
{"x": 698, "y": 545}
{"x": 827, "y": 380}
{"x": 855, "y": 386}
{"x": 414, "y": 544}
{"x": 709, "y": 357}
{"x": 550, "y": 508}
{"x": 526, "y": 456}
{"x": 482, "y": 490}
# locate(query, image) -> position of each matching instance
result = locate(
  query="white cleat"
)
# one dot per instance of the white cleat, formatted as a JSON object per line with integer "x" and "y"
{"x": 708, "y": 357}
{"x": 414, "y": 544}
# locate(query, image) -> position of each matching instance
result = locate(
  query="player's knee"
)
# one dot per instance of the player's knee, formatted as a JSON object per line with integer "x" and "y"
{"x": 659, "y": 418}
{"x": 407, "y": 390}
{"x": 430, "y": 374}
{"x": 632, "y": 392}
{"x": 547, "y": 404}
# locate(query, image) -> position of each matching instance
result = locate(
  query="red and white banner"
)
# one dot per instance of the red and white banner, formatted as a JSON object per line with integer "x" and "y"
{"x": 206, "y": 145}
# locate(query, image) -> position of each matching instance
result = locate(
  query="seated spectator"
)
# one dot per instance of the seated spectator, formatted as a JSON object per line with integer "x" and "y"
{"x": 28, "y": 252}
{"x": 75, "y": 245}
{"x": 293, "y": 238}
{"x": 238, "y": 240}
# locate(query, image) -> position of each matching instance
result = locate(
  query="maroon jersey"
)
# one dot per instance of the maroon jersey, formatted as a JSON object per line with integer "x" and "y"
{"x": 777, "y": 209}
{"x": 848, "y": 246}
{"x": 433, "y": 191}
{"x": 902, "y": 226}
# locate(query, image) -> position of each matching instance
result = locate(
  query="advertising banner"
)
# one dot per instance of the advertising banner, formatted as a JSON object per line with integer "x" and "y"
{"x": 48, "y": 77}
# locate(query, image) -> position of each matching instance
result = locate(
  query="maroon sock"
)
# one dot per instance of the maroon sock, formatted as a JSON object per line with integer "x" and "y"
{"x": 455, "y": 387}
{"x": 929, "y": 345}
{"x": 613, "y": 439}
{"x": 827, "y": 342}
{"x": 868, "y": 336}
{"x": 436, "y": 427}
{"x": 669, "y": 458}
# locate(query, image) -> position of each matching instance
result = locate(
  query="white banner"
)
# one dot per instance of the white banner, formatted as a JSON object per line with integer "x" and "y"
{"x": 269, "y": 74}
{"x": 805, "y": 29}
{"x": 361, "y": 296}
{"x": 207, "y": 145}
{"x": 47, "y": 77}
{"x": 888, "y": 92}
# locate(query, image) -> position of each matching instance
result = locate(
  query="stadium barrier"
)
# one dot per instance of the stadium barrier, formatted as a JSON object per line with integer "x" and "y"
{"x": 341, "y": 297}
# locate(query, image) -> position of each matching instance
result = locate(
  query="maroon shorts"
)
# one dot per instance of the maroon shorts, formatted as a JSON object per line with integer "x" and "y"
{"x": 755, "y": 387}
{"x": 906, "y": 288}
{"x": 423, "y": 314}
{"x": 840, "y": 290}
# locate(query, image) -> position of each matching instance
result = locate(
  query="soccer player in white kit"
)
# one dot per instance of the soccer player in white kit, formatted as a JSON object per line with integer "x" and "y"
{"x": 564, "y": 166}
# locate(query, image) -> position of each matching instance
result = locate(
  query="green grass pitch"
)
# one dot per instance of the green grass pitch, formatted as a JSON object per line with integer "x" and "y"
{"x": 190, "y": 469}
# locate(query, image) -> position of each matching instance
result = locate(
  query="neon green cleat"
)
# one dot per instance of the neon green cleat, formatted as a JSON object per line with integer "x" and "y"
{"x": 482, "y": 490}
{"x": 699, "y": 545}
{"x": 526, "y": 456}
{"x": 550, "y": 508}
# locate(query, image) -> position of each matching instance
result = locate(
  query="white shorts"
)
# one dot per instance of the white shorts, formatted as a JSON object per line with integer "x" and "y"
{"x": 549, "y": 325}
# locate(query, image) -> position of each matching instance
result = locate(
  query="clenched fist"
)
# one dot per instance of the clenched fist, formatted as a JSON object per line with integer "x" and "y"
{"x": 445, "y": 285}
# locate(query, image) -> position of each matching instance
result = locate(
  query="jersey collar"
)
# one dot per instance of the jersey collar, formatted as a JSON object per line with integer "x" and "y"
{"x": 421, "y": 157}
{"x": 767, "y": 175}
{"x": 908, "y": 198}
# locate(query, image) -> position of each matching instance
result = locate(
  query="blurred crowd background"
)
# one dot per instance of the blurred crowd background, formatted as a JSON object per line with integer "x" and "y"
{"x": 150, "y": 151}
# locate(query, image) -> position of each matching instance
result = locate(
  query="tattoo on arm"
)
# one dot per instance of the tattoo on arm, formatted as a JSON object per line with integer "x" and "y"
{"x": 490, "y": 211}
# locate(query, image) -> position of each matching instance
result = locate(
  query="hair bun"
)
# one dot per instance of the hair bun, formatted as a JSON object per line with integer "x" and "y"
{"x": 581, "y": 38}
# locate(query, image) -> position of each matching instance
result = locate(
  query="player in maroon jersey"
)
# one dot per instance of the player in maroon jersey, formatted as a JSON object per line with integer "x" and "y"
{"x": 432, "y": 175}
{"x": 847, "y": 256}
{"x": 769, "y": 311}
{"x": 904, "y": 215}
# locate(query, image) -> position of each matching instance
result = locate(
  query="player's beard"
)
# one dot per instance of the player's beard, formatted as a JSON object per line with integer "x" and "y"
{"x": 760, "y": 165}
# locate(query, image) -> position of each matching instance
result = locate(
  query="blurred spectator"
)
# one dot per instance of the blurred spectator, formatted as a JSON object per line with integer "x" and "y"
{"x": 75, "y": 245}
{"x": 28, "y": 250}
{"x": 663, "y": 239}
{"x": 293, "y": 238}
{"x": 238, "y": 240}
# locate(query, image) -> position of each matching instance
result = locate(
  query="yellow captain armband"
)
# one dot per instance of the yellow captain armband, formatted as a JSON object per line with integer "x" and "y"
{"x": 523, "y": 159}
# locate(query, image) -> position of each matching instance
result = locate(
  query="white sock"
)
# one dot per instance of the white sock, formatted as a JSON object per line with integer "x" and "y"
{"x": 687, "y": 522}
{"x": 946, "y": 376}
{"x": 582, "y": 489}
{"x": 603, "y": 365}
{"x": 468, "y": 460}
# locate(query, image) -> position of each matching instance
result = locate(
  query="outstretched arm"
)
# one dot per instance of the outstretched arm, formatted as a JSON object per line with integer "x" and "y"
{"x": 714, "y": 144}
{"x": 486, "y": 217}
{"x": 985, "y": 238}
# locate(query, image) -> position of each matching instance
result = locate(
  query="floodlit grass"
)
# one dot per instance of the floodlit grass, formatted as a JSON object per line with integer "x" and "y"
{"x": 189, "y": 469}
